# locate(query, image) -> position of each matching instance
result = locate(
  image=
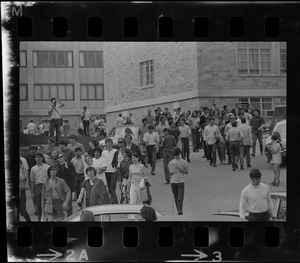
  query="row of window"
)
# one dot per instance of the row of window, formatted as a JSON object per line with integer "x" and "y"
{"x": 45, "y": 92}
{"x": 265, "y": 105}
{"x": 63, "y": 59}
{"x": 258, "y": 58}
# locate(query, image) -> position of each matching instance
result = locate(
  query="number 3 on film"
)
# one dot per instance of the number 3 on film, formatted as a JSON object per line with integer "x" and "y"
{"x": 218, "y": 256}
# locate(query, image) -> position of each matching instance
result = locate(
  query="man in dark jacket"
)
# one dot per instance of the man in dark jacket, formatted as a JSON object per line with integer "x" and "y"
{"x": 68, "y": 173}
{"x": 132, "y": 146}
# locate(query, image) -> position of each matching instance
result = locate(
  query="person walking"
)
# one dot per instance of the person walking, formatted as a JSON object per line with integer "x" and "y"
{"x": 120, "y": 120}
{"x": 38, "y": 176}
{"x": 56, "y": 196}
{"x": 23, "y": 186}
{"x": 46, "y": 128}
{"x": 94, "y": 190}
{"x": 140, "y": 139}
{"x": 99, "y": 163}
{"x": 74, "y": 144}
{"x": 234, "y": 136}
{"x": 228, "y": 126}
{"x": 257, "y": 123}
{"x": 151, "y": 140}
{"x": 68, "y": 153}
{"x": 124, "y": 174}
{"x": 132, "y": 146}
{"x": 136, "y": 174}
{"x": 185, "y": 132}
{"x": 52, "y": 160}
{"x": 55, "y": 118}
{"x": 31, "y": 128}
{"x": 256, "y": 198}
{"x": 111, "y": 179}
{"x": 168, "y": 145}
{"x": 159, "y": 129}
{"x": 78, "y": 163}
{"x": 194, "y": 120}
{"x": 86, "y": 120}
{"x": 246, "y": 143}
{"x": 211, "y": 134}
{"x": 178, "y": 169}
{"x": 275, "y": 149}
{"x": 67, "y": 172}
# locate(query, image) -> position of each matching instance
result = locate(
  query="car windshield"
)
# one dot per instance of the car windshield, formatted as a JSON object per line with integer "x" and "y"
{"x": 281, "y": 129}
{"x": 280, "y": 112}
{"x": 120, "y": 131}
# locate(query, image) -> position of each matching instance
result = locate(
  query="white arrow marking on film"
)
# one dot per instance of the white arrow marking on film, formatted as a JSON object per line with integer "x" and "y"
{"x": 56, "y": 255}
{"x": 198, "y": 256}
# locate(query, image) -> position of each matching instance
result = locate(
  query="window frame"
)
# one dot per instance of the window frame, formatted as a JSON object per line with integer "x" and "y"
{"x": 95, "y": 86}
{"x": 95, "y": 59}
{"x": 23, "y": 51}
{"x": 259, "y": 48}
{"x": 153, "y": 74}
{"x": 263, "y": 113}
{"x": 56, "y": 57}
{"x": 26, "y": 96}
{"x": 285, "y": 61}
{"x": 57, "y": 85}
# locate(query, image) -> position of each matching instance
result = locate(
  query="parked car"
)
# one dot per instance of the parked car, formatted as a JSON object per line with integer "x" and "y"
{"x": 278, "y": 115}
{"x": 119, "y": 132}
{"x": 279, "y": 202}
{"x": 281, "y": 128}
{"x": 112, "y": 213}
{"x": 200, "y": 218}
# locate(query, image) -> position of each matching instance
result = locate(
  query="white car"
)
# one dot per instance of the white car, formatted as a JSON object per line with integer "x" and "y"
{"x": 112, "y": 213}
{"x": 281, "y": 128}
{"x": 119, "y": 132}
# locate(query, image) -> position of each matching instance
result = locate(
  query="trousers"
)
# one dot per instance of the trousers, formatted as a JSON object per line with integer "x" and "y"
{"x": 167, "y": 157}
{"x": 178, "y": 192}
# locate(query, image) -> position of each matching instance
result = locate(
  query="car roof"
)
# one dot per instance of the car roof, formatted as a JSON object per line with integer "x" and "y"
{"x": 279, "y": 194}
{"x": 281, "y": 122}
{"x": 181, "y": 218}
{"x": 113, "y": 208}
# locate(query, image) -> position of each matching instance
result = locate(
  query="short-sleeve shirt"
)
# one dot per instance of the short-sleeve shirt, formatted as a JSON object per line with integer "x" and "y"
{"x": 86, "y": 115}
{"x": 78, "y": 164}
{"x": 151, "y": 138}
{"x": 177, "y": 176}
{"x": 56, "y": 114}
{"x": 38, "y": 174}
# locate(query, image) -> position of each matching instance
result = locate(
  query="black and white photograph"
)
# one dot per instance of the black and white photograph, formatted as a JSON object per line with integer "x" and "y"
{"x": 152, "y": 131}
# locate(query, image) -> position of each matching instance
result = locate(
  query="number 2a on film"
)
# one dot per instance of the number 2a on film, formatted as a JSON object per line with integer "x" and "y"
{"x": 76, "y": 256}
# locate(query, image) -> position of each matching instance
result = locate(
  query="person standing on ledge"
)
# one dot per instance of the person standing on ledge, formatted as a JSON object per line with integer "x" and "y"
{"x": 55, "y": 117}
{"x": 256, "y": 198}
{"x": 86, "y": 119}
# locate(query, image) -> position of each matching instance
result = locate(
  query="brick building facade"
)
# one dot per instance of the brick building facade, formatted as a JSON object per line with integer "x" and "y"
{"x": 142, "y": 75}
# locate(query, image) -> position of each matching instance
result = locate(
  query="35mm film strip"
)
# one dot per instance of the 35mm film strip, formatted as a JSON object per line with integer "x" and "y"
{"x": 154, "y": 54}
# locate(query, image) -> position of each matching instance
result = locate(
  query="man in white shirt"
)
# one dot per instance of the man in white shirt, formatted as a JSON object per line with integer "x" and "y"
{"x": 151, "y": 140}
{"x": 55, "y": 118}
{"x": 86, "y": 119}
{"x": 256, "y": 198}
{"x": 31, "y": 127}
{"x": 211, "y": 134}
{"x": 110, "y": 176}
{"x": 185, "y": 132}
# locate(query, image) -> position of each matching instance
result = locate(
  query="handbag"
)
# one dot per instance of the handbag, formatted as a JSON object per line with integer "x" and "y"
{"x": 142, "y": 184}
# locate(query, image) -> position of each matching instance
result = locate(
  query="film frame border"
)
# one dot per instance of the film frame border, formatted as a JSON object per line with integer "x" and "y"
{"x": 222, "y": 12}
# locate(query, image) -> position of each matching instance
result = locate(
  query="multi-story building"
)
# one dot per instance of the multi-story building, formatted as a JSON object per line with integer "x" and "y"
{"x": 142, "y": 75}
{"x": 70, "y": 71}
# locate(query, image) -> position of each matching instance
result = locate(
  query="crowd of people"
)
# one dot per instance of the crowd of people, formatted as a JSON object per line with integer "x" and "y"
{"x": 66, "y": 172}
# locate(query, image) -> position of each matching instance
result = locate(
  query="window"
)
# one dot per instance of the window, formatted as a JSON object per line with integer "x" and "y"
{"x": 254, "y": 58}
{"x": 92, "y": 92}
{"x": 146, "y": 74}
{"x": 23, "y": 59}
{"x": 23, "y": 92}
{"x": 45, "y": 92}
{"x": 91, "y": 59}
{"x": 282, "y": 58}
{"x": 51, "y": 59}
{"x": 265, "y": 105}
